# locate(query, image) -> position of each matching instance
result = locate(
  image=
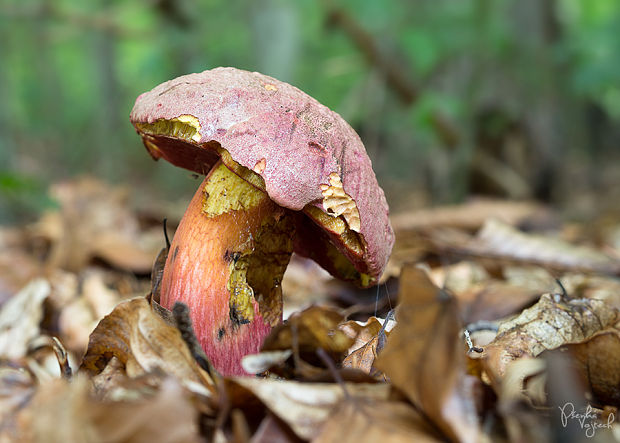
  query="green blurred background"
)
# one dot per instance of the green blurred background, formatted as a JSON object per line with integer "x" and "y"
{"x": 510, "y": 98}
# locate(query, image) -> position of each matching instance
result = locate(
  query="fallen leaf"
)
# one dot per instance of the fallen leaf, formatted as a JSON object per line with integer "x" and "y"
{"x": 94, "y": 220}
{"x": 496, "y": 240}
{"x": 17, "y": 266}
{"x": 375, "y": 421}
{"x": 306, "y": 406}
{"x": 257, "y": 363}
{"x": 80, "y": 316}
{"x": 469, "y": 216}
{"x": 426, "y": 344}
{"x": 142, "y": 342}
{"x": 20, "y": 318}
{"x": 370, "y": 339}
{"x": 524, "y": 380}
{"x": 598, "y": 359}
{"x": 271, "y": 430}
{"x": 61, "y": 411}
{"x": 124, "y": 252}
{"x": 549, "y": 324}
{"x": 17, "y": 386}
{"x": 309, "y": 330}
{"x": 362, "y": 333}
{"x": 303, "y": 284}
{"x": 494, "y": 300}
{"x": 364, "y": 357}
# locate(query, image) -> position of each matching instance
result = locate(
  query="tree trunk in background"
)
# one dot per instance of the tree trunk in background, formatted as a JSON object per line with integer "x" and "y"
{"x": 552, "y": 118}
{"x": 6, "y": 142}
{"x": 110, "y": 155}
{"x": 47, "y": 107}
{"x": 275, "y": 31}
{"x": 178, "y": 24}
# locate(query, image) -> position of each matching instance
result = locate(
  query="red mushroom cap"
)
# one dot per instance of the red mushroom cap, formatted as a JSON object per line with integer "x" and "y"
{"x": 307, "y": 155}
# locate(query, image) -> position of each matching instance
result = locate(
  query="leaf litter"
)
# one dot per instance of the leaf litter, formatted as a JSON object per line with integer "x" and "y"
{"x": 86, "y": 356}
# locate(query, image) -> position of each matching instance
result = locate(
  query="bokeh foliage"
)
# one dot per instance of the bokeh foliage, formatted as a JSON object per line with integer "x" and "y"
{"x": 471, "y": 78}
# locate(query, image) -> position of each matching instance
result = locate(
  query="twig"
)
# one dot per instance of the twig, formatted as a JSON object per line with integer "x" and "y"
{"x": 562, "y": 288}
{"x": 333, "y": 370}
{"x": 470, "y": 343}
{"x": 166, "y": 234}
{"x": 63, "y": 361}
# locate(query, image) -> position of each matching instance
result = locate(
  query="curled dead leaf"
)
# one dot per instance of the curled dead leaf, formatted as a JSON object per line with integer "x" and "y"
{"x": 61, "y": 411}
{"x": 598, "y": 359}
{"x": 20, "y": 318}
{"x": 142, "y": 342}
{"x": 499, "y": 240}
{"x": 375, "y": 420}
{"x": 370, "y": 339}
{"x": 306, "y": 406}
{"x": 552, "y": 322}
{"x": 309, "y": 330}
{"x": 426, "y": 344}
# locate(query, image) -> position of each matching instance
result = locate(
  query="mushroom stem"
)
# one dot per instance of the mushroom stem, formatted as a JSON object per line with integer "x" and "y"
{"x": 226, "y": 263}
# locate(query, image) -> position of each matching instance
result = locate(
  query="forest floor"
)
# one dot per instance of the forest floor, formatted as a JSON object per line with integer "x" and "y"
{"x": 494, "y": 321}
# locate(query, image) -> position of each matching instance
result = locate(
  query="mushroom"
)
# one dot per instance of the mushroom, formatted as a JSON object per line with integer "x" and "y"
{"x": 283, "y": 173}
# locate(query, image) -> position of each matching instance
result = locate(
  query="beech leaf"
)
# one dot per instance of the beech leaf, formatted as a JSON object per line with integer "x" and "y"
{"x": 306, "y": 406}
{"x": 425, "y": 342}
{"x": 142, "y": 342}
{"x": 552, "y": 322}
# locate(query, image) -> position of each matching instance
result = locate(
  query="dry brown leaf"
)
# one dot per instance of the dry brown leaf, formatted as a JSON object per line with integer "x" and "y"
{"x": 469, "y": 216}
{"x": 481, "y": 297}
{"x": 500, "y": 241}
{"x": 598, "y": 358}
{"x": 426, "y": 344}
{"x": 20, "y": 317}
{"x": 66, "y": 412}
{"x": 271, "y": 430}
{"x": 364, "y": 357}
{"x": 375, "y": 421}
{"x": 94, "y": 221}
{"x": 444, "y": 227}
{"x": 311, "y": 329}
{"x": 125, "y": 252}
{"x": 524, "y": 380}
{"x": 79, "y": 317}
{"x": 17, "y": 386}
{"x": 549, "y": 324}
{"x": 17, "y": 267}
{"x": 142, "y": 342}
{"x": 592, "y": 286}
{"x": 369, "y": 340}
{"x": 306, "y": 406}
{"x": 362, "y": 333}
{"x": 304, "y": 283}
{"x": 494, "y": 300}
{"x": 257, "y": 363}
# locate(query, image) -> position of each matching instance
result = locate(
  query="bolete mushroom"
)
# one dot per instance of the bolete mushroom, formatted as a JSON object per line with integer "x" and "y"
{"x": 283, "y": 173}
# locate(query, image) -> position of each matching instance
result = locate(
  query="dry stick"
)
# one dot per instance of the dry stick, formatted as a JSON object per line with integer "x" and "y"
{"x": 333, "y": 370}
{"x": 46, "y": 341}
{"x": 164, "y": 223}
{"x": 61, "y": 356}
{"x": 157, "y": 272}
{"x": 180, "y": 311}
{"x": 559, "y": 283}
{"x": 470, "y": 344}
{"x": 295, "y": 344}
